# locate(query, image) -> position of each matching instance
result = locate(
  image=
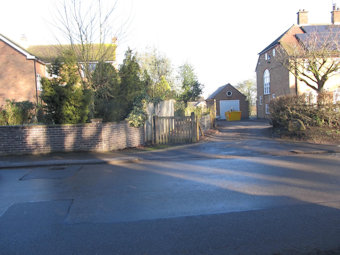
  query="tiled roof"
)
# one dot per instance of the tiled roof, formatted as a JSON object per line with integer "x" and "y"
{"x": 323, "y": 31}
{"x": 49, "y": 52}
{"x": 320, "y": 36}
{"x": 217, "y": 91}
{"x": 321, "y": 28}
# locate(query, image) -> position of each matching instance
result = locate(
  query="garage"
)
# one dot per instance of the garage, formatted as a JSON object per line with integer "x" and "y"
{"x": 228, "y": 106}
{"x": 228, "y": 98}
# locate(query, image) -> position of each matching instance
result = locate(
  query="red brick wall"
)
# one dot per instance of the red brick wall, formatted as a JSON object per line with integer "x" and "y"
{"x": 17, "y": 76}
{"x": 63, "y": 138}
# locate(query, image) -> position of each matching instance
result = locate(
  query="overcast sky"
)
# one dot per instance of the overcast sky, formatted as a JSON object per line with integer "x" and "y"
{"x": 220, "y": 38}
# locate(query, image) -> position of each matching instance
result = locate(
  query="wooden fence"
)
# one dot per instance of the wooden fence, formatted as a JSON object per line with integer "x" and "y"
{"x": 175, "y": 130}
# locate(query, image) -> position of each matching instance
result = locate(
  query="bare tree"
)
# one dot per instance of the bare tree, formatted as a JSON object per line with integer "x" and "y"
{"x": 87, "y": 26}
{"x": 313, "y": 58}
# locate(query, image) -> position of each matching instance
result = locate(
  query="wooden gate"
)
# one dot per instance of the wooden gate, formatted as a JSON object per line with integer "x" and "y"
{"x": 175, "y": 130}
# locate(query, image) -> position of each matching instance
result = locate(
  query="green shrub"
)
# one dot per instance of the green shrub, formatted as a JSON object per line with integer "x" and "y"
{"x": 3, "y": 118}
{"x": 138, "y": 115}
{"x": 68, "y": 104}
{"x": 286, "y": 108}
{"x": 17, "y": 113}
{"x": 179, "y": 108}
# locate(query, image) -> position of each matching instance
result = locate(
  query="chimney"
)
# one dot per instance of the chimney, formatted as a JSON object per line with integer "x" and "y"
{"x": 302, "y": 17}
{"x": 335, "y": 15}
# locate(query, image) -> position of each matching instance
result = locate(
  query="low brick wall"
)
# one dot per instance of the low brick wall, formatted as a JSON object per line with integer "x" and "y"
{"x": 97, "y": 137}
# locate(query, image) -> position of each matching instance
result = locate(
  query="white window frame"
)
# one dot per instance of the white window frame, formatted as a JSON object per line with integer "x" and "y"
{"x": 266, "y": 82}
{"x": 273, "y": 95}
{"x": 39, "y": 85}
{"x": 266, "y": 56}
{"x": 267, "y": 109}
{"x": 274, "y": 52}
{"x": 260, "y": 100}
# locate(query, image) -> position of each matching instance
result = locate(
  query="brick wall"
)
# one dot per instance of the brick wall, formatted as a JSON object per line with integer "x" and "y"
{"x": 17, "y": 77}
{"x": 62, "y": 138}
{"x": 280, "y": 83}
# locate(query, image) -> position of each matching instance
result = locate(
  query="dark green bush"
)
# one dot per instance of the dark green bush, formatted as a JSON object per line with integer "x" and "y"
{"x": 67, "y": 104}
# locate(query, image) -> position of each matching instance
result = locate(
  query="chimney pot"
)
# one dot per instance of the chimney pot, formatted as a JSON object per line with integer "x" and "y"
{"x": 335, "y": 15}
{"x": 302, "y": 17}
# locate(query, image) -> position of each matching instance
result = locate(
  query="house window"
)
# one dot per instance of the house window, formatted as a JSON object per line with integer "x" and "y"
{"x": 47, "y": 73}
{"x": 266, "y": 82}
{"x": 267, "y": 109}
{"x": 261, "y": 100}
{"x": 274, "y": 52}
{"x": 273, "y": 95}
{"x": 92, "y": 66}
{"x": 229, "y": 93}
{"x": 39, "y": 86}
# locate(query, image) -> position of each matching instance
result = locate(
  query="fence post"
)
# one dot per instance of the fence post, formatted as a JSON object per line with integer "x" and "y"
{"x": 193, "y": 127}
{"x": 197, "y": 123}
{"x": 155, "y": 138}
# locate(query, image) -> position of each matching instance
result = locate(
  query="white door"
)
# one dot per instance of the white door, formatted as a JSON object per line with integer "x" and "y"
{"x": 227, "y": 106}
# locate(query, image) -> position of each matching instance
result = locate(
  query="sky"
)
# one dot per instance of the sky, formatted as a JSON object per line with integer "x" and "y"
{"x": 221, "y": 39}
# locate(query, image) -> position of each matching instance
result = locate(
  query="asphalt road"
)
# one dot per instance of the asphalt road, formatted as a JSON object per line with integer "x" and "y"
{"x": 239, "y": 192}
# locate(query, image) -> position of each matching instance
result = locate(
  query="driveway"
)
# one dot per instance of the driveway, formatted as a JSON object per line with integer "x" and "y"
{"x": 238, "y": 192}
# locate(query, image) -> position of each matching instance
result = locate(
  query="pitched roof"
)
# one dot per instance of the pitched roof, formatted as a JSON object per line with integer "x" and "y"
{"x": 212, "y": 96}
{"x": 50, "y": 52}
{"x": 320, "y": 36}
{"x": 217, "y": 91}
{"x": 18, "y": 48}
{"x": 274, "y": 43}
{"x": 321, "y": 28}
{"x": 323, "y": 32}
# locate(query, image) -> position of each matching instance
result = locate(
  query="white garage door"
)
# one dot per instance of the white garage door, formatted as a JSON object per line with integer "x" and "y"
{"x": 228, "y": 105}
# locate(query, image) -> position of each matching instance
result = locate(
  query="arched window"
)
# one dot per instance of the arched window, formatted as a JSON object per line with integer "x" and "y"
{"x": 266, "y": 82}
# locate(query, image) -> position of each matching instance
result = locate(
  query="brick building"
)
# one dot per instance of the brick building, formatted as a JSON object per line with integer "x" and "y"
{"x": 229, "y": 98}
{"x": 20, "y": 73}
{"x": 273, "y": 79}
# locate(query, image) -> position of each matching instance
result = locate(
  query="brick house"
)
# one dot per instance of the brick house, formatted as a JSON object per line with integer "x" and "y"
{"x": 20, "y": 73}
{"x": 228, "y": 98}
{"x": 273, "y": 79}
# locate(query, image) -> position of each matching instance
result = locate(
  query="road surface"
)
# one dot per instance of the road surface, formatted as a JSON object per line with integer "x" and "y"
{"x": 238, "y": 192}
